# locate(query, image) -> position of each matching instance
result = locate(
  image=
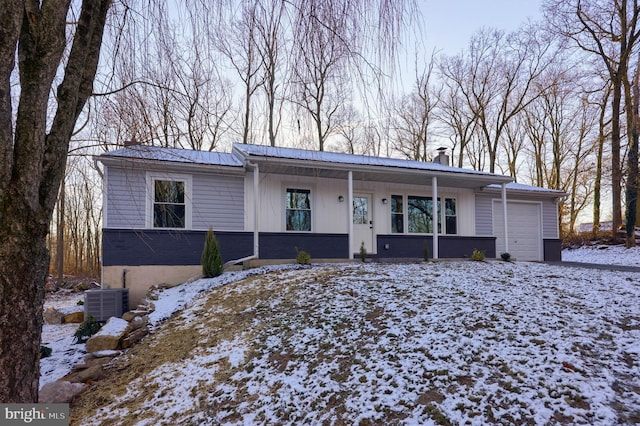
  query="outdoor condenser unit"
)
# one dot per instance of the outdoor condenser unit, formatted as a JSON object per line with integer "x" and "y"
{"x": 105, "y": 303}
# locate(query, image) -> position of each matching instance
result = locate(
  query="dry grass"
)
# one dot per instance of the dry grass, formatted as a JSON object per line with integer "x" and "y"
{"x": 363, "y": 322}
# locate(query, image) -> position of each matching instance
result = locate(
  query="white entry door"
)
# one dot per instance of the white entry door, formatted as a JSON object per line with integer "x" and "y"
{"x": 362, "y": 223}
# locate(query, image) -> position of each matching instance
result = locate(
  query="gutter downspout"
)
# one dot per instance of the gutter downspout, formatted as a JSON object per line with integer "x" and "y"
{"x": 256, "y": 220}
{"x": 256, "y": 209}
{"x": 350, "y": 211}
{"x": 434, "y": 215}
{"x": 504, "y": 215}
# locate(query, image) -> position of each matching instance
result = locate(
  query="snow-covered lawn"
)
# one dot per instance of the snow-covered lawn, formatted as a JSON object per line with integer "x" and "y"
{"x": 608, "y": 255}
{"x": 439, "y": 343}
{"x": 59, "y": 337}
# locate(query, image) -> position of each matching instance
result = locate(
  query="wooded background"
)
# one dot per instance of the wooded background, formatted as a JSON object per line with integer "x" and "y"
{"x": 550, "y": 104}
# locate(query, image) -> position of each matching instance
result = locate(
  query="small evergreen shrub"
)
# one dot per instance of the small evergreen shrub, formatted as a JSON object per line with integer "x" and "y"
{"x": 88, "y": 328}
{"x": 425, "y": 251}
{"x": 477, "y": 255}
{"x": 363, "y": 252}
{"x": 45, "y": 351}
{"x": 505, "y": 256}
{"x": 302, "y": 257}
{"x": 211, "y": 259}
{"x": 80, "y": 302}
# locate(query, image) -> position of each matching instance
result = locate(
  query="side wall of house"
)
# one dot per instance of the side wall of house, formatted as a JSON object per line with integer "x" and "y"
{"x": 127, "y": 192}
{"x": 138, "y": 256}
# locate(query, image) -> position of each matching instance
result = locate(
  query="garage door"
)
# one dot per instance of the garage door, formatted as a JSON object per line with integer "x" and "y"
{"x": 524, "y": 230}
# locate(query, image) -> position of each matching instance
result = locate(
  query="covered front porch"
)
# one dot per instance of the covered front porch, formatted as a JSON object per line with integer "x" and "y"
{"x": 377, "y": 209}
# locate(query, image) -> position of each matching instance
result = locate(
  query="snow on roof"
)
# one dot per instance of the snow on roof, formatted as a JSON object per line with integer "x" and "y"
{"x": 514, "y": 186}
{"x": 340, "y": 158}
{"x": 146, "y": 152}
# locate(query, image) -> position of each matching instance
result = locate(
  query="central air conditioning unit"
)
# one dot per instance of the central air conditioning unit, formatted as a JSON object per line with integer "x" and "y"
{"x": 106, "y": 303}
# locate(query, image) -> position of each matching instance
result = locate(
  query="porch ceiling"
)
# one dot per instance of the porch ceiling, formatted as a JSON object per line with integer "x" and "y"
{"x": 398, "y": 175}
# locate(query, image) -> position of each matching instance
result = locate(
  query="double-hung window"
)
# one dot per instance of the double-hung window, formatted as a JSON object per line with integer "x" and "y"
{"x": 298, "y": 209}
{"x": 450, "y": 216}
{"x": 169, "y": 201}
{"x": 397, "y": 214}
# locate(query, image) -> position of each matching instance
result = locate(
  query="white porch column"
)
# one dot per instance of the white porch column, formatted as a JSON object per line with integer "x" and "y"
{"x": 434, "y": 215}
{"x": 504, "y": 215}
{"x": 350, "y": 211}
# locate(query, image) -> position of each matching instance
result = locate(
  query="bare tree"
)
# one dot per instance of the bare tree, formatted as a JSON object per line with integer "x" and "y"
{"x": 33, "y": 153}
{"x": 495, "y": 80}
{"x": 320, "y": 70}
{"x": 414, "y": 116}
{"x": 607, "y": 29}
{"x": 460, "y": 122}
{"x": 271, "y": 28}
{"x": 632, "y": 171}
{"x": 235, "y": 38}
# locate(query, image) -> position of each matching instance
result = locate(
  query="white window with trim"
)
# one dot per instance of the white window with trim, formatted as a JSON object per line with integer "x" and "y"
{"x": 298, "y": 209}
{"x": 169, "y": 201}
{"x": 419, "y": 215}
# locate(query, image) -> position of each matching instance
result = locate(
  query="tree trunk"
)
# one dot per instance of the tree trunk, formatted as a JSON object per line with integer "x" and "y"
{"x": 616, "y": 175}
{"x": 32, "y": 164}
{"x": 632, "y": 170}
{"x": 24, "y": 262}
{"x": 60, "y": 235}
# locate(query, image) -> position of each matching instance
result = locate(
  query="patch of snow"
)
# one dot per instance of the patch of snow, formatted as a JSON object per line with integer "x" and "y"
{"x": 114, "y": 327}
{"x": 604, "y": 254}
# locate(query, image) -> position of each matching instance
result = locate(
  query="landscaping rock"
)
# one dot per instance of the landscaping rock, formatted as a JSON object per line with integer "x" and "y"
{"x": 135, "y": 337}
{"x": 91, "y": 374}
{"x": 138, "y": 322}
{"x": 74, "y": 317}
{"x": 53, "y": 316}
{"x": 60, "y": 391}
{"x": 109, "y": 336}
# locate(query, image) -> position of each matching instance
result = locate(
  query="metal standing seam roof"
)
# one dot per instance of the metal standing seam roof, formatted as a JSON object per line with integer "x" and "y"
{"x": 244, "y": 151}
{"x": 144, "y": 152}
{"x": 351, "y": 159}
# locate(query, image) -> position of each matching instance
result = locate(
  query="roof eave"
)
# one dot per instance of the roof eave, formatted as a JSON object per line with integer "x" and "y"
{"x": 123, "y": 160}
{"x": 482, "y": 179}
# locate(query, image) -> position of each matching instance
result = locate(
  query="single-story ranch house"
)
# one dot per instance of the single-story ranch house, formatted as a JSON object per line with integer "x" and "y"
{"x": 264, "y": 203}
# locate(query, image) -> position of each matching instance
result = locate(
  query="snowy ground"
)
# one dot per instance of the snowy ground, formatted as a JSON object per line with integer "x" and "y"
{"x": 439, "y": 343}
{"x": 611, "y": 255}
{"x": 65, "y": 354}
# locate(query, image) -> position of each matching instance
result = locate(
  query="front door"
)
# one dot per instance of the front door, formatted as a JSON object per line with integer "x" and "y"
{"x": 362, "y": 223}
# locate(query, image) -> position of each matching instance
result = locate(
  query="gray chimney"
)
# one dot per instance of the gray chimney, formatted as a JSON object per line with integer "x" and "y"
{"x": 131, "y": 142}
{"x": 442, "y": 157}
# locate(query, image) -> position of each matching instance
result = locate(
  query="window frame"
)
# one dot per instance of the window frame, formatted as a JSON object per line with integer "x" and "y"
{"x": 395, "y": 214}
{"x": 442, "y": 214}
{"x": 300, "y": 189}
{"x": 151, "y": 180}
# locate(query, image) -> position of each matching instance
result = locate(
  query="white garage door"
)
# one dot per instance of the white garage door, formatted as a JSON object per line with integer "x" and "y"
{"x": 524, "y": 230}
